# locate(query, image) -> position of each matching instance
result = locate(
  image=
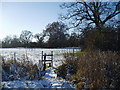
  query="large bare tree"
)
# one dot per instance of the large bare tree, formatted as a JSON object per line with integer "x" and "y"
{"x": 96, "y": 13}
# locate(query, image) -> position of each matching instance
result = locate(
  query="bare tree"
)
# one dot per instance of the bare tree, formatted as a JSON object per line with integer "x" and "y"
{"x": 98, "y": 13}
{"x": 26, "y": 37}
{"x": 6, "y": 42}
{"x": 39, "y": 37}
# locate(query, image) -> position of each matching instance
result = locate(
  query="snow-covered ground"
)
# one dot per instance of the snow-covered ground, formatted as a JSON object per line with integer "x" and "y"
{"x": 34, "y": 54}
{"x": 54, "y": 81}
{"x": 50, "y": 80}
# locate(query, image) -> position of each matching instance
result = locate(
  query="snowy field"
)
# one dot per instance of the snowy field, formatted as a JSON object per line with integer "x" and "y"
{"x": 50, "y": 79}
{"x": 34, "y": 55}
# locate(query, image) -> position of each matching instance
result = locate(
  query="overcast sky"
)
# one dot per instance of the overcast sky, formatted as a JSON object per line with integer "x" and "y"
{"x": 32, "y": 16}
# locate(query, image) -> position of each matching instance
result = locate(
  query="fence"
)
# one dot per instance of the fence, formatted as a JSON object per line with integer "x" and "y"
{"x": 46, "y": 61}
{"x": 35, "y": 55}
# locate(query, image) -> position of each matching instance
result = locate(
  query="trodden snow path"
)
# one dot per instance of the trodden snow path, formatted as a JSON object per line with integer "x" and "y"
{"x": 50, "y": 81}
{"x": 54, "y": 81}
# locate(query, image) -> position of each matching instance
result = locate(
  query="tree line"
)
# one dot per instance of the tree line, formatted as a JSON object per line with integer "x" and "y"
{"x": 95, "y": 25}
{"x": 55, "y": 35}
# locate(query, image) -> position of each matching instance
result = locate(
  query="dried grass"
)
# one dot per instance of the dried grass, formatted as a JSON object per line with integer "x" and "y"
{"x": 25, "y": 69}
{"x": 99, "y": 69}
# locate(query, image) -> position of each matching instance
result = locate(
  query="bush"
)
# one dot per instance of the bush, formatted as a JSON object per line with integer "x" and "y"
{"x": 24, "y": 69}
{"x": 108, "y": 38}
{"x": 97, "y": 69}
{"x": 62, "y": 71}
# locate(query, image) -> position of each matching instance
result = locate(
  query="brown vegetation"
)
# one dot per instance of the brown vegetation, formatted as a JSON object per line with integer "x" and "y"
{"x": 24, "y": 69}
{"x": 97, "y": 69}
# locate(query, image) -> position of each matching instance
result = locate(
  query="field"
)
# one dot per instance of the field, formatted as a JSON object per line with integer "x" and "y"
{"x": 49, "y": 80}
{"x": 34, "y": 55}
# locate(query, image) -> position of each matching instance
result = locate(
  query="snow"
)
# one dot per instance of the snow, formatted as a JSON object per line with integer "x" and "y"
{"x": 22, "y": 84}
{"x": 50, "y": 81}
{"x": 52, "y": 78}
{"x": 34, "y": 54}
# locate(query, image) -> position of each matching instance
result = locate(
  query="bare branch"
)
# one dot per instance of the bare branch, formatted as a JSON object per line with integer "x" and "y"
{"x": 96, "y": 12}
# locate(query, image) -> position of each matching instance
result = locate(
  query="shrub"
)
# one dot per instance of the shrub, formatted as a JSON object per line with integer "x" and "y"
{"x": 62, "y": 71}
{"x": 24, "y": 69}
{"x": 101, "y": 68}
{"x": 97, "y": 69}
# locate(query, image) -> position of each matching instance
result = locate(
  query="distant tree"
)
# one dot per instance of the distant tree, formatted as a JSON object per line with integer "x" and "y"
{"x": 98, "y": 13}
{"x": 15, "y": 42}
{"x": 39, "y": 38}
{"x": 6, "y": 42}
{"x": 26, "y": 37}
{"x": 33, "y": 45}
{"x": 11, "y": 42}
{"x": 74, "y": 40}
{"x": 57, "y": 34}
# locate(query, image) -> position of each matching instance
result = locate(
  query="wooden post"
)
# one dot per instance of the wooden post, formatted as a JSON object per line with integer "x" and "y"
{"x": 52, "y": 58}
{"x": 44, "y": 67}
{"x": 73, "y": 52}
{"x": 14, "y": 57}
{"x": 42, "y": 57}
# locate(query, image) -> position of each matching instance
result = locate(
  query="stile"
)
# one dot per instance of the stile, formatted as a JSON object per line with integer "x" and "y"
{"x": 46, "y": 61}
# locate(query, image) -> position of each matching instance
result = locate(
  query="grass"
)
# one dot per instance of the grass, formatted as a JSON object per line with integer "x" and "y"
{"x": 58, "y": 54}
{"x": 70, "y": 54}
{"x": 76, "y": 53}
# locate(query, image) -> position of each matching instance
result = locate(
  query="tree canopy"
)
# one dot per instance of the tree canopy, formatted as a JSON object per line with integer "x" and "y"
{"x": 97, "y": 13}
{"x": 57, "y": 34}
